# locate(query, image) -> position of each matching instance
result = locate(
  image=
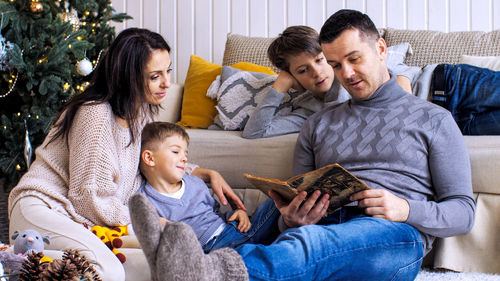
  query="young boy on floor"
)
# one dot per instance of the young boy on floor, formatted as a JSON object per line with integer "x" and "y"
{"x": 181, "y": 197}
{"x": 297, "y": 54}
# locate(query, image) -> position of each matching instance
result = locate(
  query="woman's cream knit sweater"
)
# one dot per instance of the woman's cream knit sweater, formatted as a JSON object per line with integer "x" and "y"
{"x": 92, "y": 178}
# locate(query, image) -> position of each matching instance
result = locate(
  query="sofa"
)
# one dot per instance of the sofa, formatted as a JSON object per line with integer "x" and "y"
{"x": 232, "y": 155}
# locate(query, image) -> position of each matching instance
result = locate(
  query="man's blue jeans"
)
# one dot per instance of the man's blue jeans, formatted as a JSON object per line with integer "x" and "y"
{"x": 472, "y": 95}
{"x": 356, "y": 247}
{"x": 264, "y": 230}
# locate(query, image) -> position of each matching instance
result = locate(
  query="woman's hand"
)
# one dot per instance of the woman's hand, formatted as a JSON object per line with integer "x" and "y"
{"x": 244, "y": 223}
{"x": 220, "y": 187}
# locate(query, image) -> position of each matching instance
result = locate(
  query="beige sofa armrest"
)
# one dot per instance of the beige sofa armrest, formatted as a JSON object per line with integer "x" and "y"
{"x": 171, "y": 106}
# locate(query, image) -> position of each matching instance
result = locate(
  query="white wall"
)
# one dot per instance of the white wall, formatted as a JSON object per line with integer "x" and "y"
{"x": 200, "y": 26}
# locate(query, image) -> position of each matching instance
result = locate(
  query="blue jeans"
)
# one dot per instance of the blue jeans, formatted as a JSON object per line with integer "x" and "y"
{"x": 358, "y": 247}
{"x": 264, "y": 230}
{"x": 472, "y": 95}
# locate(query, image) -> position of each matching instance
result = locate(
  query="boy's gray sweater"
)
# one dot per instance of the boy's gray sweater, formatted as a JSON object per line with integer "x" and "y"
{"x": 398, "y": 142}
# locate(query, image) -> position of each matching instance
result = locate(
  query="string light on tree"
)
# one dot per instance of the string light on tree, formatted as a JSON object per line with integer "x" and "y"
{"x": 36, "y": 7}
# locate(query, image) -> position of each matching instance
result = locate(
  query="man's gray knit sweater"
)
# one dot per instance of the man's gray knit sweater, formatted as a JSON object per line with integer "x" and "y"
{"x": 398, "y": 142}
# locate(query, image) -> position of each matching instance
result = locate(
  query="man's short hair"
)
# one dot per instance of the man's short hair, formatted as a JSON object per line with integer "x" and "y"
{"x": 294, "y": 41}
{"x": 346, "y": 19}
{"x": 155, "y": 133}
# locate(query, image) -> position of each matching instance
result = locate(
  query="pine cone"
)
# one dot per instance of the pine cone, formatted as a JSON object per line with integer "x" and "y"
{"x": 75, "y": 258}
{"x": 59, "y": 270}
{"x": 84, "y": 268}
{"x": 32, "y": 267}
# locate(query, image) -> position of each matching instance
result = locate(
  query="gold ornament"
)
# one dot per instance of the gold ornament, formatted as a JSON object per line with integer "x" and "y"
{"x": 72, "y": 19}
{"x": 36, "y": 7}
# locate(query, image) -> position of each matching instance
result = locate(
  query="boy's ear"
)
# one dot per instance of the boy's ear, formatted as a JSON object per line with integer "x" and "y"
{"x": 147, "y": 158}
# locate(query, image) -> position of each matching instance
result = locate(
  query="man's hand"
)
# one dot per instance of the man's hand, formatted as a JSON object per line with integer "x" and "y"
{"x": 301, "y": 211}
{"x": 220, "y": 187}
{"x": 244, "y": 223}
{"x": 381, "y": 203}
{"x": 286, "y": 81}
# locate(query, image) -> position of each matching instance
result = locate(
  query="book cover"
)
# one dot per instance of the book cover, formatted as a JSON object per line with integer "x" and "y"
{"x": 332, "y": 179}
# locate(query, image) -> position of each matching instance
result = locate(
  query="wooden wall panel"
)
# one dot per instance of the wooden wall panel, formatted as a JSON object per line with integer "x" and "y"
{"x": 221, "y": 27}
{"x": 417, "y": 14}
{"x": 258, "y": 18}
{"x": 459, "y": 15}
{"x": 203, "y": 29}
{"x": 277, "y": 17}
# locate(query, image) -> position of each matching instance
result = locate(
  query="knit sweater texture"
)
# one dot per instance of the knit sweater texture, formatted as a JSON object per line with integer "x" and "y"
{"x": 92, "y": 177}
{"x": 398, "y": 142}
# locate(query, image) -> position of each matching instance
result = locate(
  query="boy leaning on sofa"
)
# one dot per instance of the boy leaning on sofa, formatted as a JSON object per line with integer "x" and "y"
{"x": 401, "y": 220}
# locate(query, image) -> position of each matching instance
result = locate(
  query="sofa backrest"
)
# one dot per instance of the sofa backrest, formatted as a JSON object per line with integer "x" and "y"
{"x": 428, "y": 47}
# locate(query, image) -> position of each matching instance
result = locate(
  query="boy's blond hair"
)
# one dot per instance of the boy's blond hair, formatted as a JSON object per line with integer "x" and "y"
{"x": 156, "y": 132}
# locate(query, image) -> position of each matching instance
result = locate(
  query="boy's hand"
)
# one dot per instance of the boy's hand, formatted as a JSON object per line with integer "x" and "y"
{"x": 244, "y": 223}
{"x": 163, "y": 221}
{"x": 286, "y": 81}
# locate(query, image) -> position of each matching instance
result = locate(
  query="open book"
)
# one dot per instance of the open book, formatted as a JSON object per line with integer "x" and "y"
{"x": 332, "y": 179}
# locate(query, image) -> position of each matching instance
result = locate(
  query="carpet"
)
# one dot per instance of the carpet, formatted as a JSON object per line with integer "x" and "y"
{"x": 442, "y": 275}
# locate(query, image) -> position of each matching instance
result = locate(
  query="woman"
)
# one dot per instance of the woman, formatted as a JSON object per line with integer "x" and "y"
{"x": 87, "y": 168}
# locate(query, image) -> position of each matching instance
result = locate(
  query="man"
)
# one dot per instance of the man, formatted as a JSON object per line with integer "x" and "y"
{"x": 409, "y": 151}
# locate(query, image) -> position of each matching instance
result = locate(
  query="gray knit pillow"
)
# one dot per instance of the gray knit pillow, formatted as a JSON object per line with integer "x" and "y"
{"x": 238, "y": 93}
{"x": 431, "y": 47}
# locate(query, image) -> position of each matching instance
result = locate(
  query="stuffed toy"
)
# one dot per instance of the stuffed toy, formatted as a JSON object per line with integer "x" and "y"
{"x": 174, "y": 253}
{"x": 111, "y": 237}
{"x": 11, "y": 262}
{"x": 30, "y": 241}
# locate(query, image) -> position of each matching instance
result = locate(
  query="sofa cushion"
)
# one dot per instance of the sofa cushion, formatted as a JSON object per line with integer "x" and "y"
{"x": 238, "y": 93}
{"x": 431, "y": 47}
{"x": 489, "y": 62}
{"x": 244, "y": 48}
{"x": 232, "y": 155}
{"x": 198, "y": 111}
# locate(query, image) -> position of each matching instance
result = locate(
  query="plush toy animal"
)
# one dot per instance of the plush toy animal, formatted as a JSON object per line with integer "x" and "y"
{"x": 11, "y": 262}
{"x": 174, "y": 253}
{"x": 111, "y": 237}
{"x": 29, "y": 241}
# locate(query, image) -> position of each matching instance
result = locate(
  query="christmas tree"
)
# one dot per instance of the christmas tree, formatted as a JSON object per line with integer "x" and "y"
{"x": 47, "y": 51}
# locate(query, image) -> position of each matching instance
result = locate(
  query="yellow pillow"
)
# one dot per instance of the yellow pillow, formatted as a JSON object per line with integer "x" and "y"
{"x": 198, "y": 111}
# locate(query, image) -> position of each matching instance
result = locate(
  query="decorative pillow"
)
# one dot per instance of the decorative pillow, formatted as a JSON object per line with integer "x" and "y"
{"x": 198, "y": 111}
{"x": 244, "y": 48}
{"x": 238, "y": 93}
{"x": 489, "y": 62}
{"x": 395, "y": 61}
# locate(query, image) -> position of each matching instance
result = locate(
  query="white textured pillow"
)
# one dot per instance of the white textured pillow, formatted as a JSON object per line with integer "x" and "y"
{"x": 492, "y": 63}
